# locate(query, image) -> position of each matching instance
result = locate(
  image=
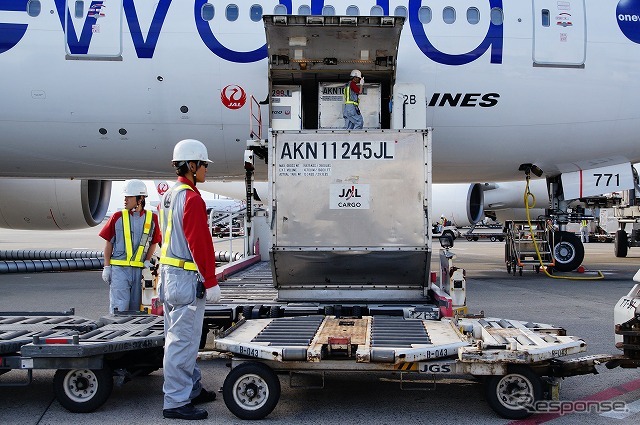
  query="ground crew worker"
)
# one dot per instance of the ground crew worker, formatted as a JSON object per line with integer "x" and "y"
{"x": 584, "y": 231}
{"x": 132, "y": 235}
{"x": 187, "y": 273}
{"x": 351, "y": 110}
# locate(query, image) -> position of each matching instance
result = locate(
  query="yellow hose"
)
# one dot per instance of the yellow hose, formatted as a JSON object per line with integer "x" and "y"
{"x": 528, "y": 196}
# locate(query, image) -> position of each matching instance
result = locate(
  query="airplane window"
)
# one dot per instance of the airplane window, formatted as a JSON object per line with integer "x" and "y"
{"x": 449, "y": 15}
{"x": 33, "y": 8}
{"x": 400, "y": 11}
{"x": 328, "y": 10}
{"x": 79, "y": 12}
{"x": 377, "y": 11}
{"x": 207, "y": 12}
{"x": 424, "y": 14}
{"x": 496, "y": 16}
{"x": 353, "y": 11}
{"x": 232, "y": 12}
{"x": 304, "y": 10}
{"x": 280, "y": 9}
{"x": 473, "y": 15}
{"x": 256, "y": 12}
{"x": 545, "y": 18}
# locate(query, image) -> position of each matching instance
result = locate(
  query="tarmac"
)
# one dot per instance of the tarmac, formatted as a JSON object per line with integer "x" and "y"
{"x": 583, "y": 307}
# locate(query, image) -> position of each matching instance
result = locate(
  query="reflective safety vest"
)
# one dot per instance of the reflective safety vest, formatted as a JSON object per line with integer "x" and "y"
{"x": 126, "y": 227}
{"x": 164, "y": 258}
{"x": 347, "y": 96}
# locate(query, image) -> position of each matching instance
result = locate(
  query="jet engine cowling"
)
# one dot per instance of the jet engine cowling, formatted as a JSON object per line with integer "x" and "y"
{"x": 53, "y": 204}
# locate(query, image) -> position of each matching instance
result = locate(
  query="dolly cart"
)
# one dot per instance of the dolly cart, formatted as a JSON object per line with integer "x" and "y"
{"x": 518, "y": 361}
{"x": 519, "y": 249}
{"x": 87, "y": 354}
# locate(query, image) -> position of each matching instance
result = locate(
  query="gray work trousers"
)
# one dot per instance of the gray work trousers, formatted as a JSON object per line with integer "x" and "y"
{"x": 183, "y": 316}
{"x": 352, "y": 117}
{"x": 125, "y": 289}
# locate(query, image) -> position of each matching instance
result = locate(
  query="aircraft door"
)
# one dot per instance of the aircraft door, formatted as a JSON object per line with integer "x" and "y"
{"x": 559, "y": 35}
{"x": 93, "y": 29}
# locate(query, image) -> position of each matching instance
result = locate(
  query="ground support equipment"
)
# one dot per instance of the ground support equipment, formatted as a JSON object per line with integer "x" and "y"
{"x": 520, "y": 248}
{"x": 87, "y": 354}
{"x": 518, "y": 361}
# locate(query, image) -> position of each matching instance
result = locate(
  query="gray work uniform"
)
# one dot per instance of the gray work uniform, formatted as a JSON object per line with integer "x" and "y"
{"x": 125, "y": 290}
{"x": 183, "y": 312}
{"x": 352, "y": 118}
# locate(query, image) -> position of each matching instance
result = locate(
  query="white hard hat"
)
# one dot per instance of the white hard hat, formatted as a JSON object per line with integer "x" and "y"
{"x": 356, "y": 73}
{"x": 134, "y": 188}
{"x": 190, "y": 150}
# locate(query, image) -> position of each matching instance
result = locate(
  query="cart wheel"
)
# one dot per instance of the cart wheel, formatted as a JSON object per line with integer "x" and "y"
{"x": 512, "y": 395}
{"x": 470, "y": 239}
{"x": 493, "y": 239}
{"x": 475, "y": 239}
{"x": 82, "y": 390}
{"x": 251, "y": 390}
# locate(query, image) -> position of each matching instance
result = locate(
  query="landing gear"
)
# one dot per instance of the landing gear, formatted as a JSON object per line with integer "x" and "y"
{"x": 621, "y": 244}
{"x": 568, "y": 251}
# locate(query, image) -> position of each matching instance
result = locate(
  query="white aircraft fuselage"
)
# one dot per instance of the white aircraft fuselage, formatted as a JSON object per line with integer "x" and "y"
{"x": 109, "y": 96}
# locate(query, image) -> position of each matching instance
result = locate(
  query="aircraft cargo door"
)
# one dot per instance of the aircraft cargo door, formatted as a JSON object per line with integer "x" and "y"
{"x": 93, "y": 29}
{"x": 559, "y": 33}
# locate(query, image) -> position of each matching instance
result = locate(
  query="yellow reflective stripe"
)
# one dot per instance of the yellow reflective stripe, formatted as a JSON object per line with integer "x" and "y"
{"x": 347, "y": 96}
{"x": 126, "y": 226}
{"x": 137, "y": 261}
{"x": 164, "y": 259}
{"x": 187, "y": 265}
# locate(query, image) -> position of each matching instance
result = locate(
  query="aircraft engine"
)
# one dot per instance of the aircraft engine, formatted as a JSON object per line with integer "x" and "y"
{"x": 460, "y": 203}
{"x": 53, "y": 204}
{"x": 505, "y": 201}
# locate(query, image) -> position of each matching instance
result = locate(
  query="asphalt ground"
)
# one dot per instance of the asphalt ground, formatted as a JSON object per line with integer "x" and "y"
{"x": 583, "y": 307}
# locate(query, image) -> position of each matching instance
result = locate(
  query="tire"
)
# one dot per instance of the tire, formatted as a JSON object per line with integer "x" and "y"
{"x": 82, "y": 390}
{"x": 251, "y": 391}
{"x": 493, "y": 239}
{"x": 450, "y": 234}
{"x": 511, "y": 394}
{"x": 475, "y": 239}
{"x": 621, "y": 244}
{"x": 470, "y": 238}
{"x": 568, "y": 251}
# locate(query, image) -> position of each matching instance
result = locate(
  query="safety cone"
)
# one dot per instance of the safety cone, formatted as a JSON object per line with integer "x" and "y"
{"x": 580, "y": 269}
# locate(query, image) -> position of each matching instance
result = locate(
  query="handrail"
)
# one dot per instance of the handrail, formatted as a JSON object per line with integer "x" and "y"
{"x": 253, "y": 118}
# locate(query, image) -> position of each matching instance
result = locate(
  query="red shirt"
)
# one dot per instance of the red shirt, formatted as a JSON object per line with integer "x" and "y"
{"x": 196, "y": 232}
{"x": 354, "y": 87}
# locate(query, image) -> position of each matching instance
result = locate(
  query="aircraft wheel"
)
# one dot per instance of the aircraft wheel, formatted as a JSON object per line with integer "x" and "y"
{"x": 568, "y": 251}
{"x": 251, "y": 390}
{"x": 512, "y": 395}
{"x": 621, "y": 244}
{"x": 82, "y": 390}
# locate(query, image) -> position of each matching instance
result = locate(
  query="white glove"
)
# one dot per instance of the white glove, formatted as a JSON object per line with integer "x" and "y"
{"x": 361, "y": 81}
{"x": 213, "y": 294}
{"x": 147, "y": 264}
{"x": 106, "y": 274}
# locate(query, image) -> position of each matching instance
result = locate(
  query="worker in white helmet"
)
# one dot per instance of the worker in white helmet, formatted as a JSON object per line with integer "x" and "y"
{"x": 132, "y": 235}
{"x": 188, "y": 281}
{"x": 351, "y": 110}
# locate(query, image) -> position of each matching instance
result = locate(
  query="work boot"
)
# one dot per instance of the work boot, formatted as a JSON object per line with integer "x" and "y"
{"x": 204, "y": 397}
{"x": 188, "y": 412}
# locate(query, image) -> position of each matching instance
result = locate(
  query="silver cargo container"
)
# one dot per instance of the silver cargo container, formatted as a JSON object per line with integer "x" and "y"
{"x": 350, "y": 214}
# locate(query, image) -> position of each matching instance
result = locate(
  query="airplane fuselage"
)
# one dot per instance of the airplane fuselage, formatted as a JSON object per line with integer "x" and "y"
{"x": 106, "y": 95}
